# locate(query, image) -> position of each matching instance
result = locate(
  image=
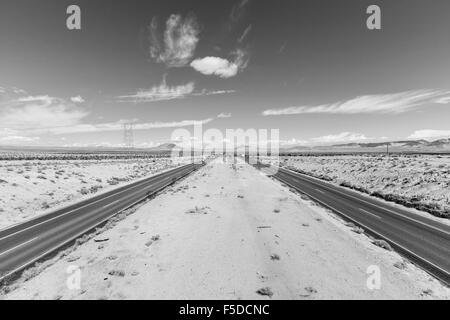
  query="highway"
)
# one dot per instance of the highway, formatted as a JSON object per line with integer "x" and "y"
{"x": 424, "y": 241}
{"x": 23, "y": 244}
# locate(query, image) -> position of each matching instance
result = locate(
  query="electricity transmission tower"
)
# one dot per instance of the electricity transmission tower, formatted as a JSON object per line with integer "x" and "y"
{"x": 128, "y": 135}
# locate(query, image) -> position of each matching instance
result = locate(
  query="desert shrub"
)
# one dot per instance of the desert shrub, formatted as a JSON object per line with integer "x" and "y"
{"x": 113, "y": 181}
{"x": 382, "y": 244}
{"x": 265, "y": 292}
{"x": 84, "y": 191}
{"x": 45, "y": 205}
{"x": 117, "y": 273}
{"x": 94, "y": 189}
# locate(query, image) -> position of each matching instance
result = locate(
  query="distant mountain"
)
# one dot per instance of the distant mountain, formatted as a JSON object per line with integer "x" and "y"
{"x": 398, "y": 144}
{"x": 164, "y": 147}
{"x": 441, "y": 145}
{"x": 295, "y": 149}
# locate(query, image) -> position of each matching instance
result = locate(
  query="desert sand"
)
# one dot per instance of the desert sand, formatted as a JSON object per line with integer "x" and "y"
{"x": 227, "y": 232}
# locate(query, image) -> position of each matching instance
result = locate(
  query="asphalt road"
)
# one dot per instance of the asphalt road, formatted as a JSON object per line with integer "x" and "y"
{"x": 422, "y": 240}
{"x": 25, "y": 243}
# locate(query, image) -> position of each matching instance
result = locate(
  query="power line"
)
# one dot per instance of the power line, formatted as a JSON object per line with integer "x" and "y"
{"x": 128, "y": 135}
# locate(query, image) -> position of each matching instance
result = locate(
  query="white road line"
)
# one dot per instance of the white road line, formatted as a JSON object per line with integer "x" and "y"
{"x": 372, "y": 214}
{"x": 69, "y": 212}
{"x": 18, "y": 246}
{"x": 131, "y": 185}
{"x": 380, "y": 207}
{"x": 319, "y": 190}
{"x": 72, "y": 238}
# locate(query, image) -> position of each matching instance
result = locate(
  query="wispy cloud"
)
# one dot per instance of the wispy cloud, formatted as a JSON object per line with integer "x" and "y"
{"x": 77, "y": 99}
{"x": 163, "y": 92}
{"x": 237, "y": 12}
{"x": 341, "y": 137}
{"x": 179, "y": 40}
{"x": 205, "y": 92}
{"x": 222, "y": 67}
{"x": 245, "y": 34}
{"x": 394, "y": 103}
{"x": 14, "y": 140}
{"x": 118, "y": 126}
{"x": 27, "y": 113}
{"x": 24, "y": 119}
{"x": 443, "y": 100}
{"x": 224, "y": 115}
{"x": 430, "y": 134}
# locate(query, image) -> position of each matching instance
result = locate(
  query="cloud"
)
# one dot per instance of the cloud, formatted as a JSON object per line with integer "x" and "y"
{"x": 442, "y": 100}
{"x": 179, "y": 41}
{"x": 9, "y": 140}
{"x": 155, "y": 43}
{"x": 241, "y": 58}
{"x": 394, "y": 103}
{"x": 77, "y": 99}
{"x": 118, "y": 126}
{"x": 163, "y": 92}
{"x": 37, "y": 113}
{"x": 6, "y": 132}
{"x": 341, "y": 137}
{"x": 205, "y": 92}
{"x": 430, "y": 134}
{"x": 224, "y": 115}
{"x": 237, "y": 12}
{"x": 214, "y": 65}
{"x": 292, "y": 142}
{"x": 44, "y": 99}
{"x": 18, "y": 90}
{"x": 222, "y": 67}
{"x": 244, "y": 34}
{"x": 23, "y": 118}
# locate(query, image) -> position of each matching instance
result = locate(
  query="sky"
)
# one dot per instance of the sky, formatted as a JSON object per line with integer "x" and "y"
{"x": 311, "y": 69}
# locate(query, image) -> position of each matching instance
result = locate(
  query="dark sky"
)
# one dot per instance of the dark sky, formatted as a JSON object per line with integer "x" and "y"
{"x": 309, "y": 68}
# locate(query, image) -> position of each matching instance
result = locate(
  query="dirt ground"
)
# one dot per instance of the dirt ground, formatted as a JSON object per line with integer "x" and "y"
{"x": 225, "y": 233}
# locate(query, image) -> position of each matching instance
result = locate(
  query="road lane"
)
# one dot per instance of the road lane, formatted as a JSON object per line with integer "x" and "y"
{"x": 424, "y": 241}
{"x": 26, "y": 243}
